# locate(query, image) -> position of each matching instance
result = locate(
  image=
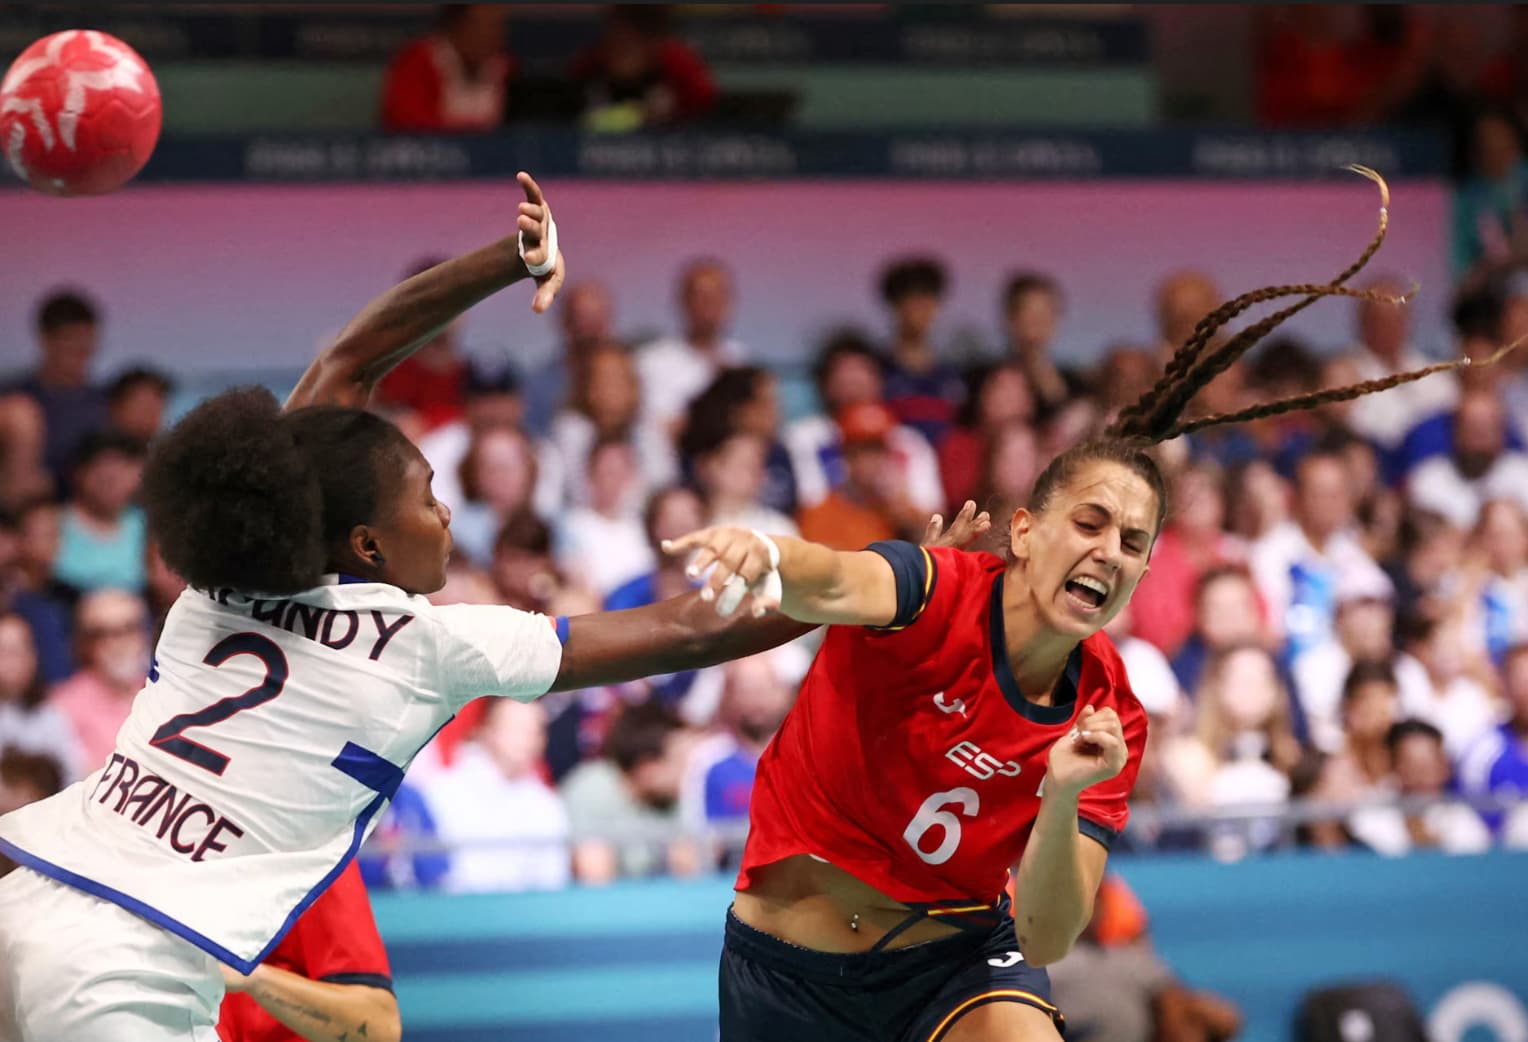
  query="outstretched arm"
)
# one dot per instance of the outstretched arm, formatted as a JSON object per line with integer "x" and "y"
{"x": 404, "y": 318}
{"x": 687, "y": 632}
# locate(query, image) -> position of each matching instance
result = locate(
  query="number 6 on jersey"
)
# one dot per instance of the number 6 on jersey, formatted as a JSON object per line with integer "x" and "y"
{"x": 930, "y": 814}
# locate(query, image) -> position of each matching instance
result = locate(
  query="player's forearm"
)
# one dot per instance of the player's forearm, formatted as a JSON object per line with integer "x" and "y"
{"x": 670, "y": 636}
{"x": 398, "y": 322}
{"x": 1052, "y": 899}
{"x": 321, "y": 1011}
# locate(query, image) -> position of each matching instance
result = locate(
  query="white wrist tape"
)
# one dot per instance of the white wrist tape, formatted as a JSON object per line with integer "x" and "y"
{"x": 545, "y": 268}
{"x": 766, "y": 586}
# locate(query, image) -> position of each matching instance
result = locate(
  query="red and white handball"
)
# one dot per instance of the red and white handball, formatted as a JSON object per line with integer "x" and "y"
{"x": 79, "y": 113}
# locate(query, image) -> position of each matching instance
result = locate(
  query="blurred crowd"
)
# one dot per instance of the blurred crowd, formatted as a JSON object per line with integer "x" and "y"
{"x": 1337, "y": 608}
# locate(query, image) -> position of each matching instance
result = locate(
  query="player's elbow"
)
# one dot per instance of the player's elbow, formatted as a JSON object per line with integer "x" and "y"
{"x": 381, "y": 1021}
{"x": 1045, "y": 952}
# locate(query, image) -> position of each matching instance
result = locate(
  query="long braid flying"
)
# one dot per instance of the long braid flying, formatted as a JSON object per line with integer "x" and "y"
{"x": 1155, "y": 417}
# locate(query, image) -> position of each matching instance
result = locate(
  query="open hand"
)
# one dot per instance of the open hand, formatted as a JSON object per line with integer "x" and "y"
{"x": 738, "y": 560}
{"x": 967, "y": 528}
{"x": 533, "y": 223}
{"x": 1093, "y": 751}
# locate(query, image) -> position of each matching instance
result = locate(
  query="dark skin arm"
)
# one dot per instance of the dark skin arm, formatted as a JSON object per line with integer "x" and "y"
{"x": 406, "y": 317}
{"x": 687, "y": 633}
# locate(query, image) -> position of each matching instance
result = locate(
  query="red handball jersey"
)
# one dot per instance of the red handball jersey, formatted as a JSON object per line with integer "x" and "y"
{"x": 912, "y": 761}
{"x": 334, "y": 941}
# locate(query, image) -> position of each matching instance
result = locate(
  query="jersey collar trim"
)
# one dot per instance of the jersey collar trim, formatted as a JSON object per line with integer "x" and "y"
{"x": 1066, "y": 690}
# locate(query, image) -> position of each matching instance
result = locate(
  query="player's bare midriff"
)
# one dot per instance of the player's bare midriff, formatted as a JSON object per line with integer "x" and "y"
{"x": 813, "y": 904}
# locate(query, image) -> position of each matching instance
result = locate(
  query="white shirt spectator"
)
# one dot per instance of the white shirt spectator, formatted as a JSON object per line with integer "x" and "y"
{"x": 43, "y": 731}
{"x": 602, "y": 552}
{"x": 1343, "y": 559}
{"x": 444, "y": 449}
{"x": 1437, "y": 485}
{"x": 1463, "y": 711}
{"x": 567, "y": 448}
{"x": 1457, "y": 828}
{"x": 1319, "y": 675}
{"x": 505, "y": 835}
{"x": 673, "y": 372}
{"x": 1151, "y": 677}
{"x": 1386, "y": 418}
{"x": 813, "y": 441}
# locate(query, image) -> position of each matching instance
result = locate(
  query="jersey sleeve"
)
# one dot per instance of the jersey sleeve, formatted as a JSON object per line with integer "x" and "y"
{"x": 928, "y": 591}
{"x": 338, "y": 938}
{"x": 1103, "y": 809}
{"x": 493, "y": 650}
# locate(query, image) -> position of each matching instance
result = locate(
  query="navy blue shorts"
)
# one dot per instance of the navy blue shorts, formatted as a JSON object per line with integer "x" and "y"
{"x": 772, "y": 991}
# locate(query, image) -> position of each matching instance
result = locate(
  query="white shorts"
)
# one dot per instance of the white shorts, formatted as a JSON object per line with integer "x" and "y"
{"x": 76, "y": 968}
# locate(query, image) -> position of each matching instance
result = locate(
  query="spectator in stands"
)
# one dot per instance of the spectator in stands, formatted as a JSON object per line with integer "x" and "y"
{"x": 1126, "y": 372}
{"x": 102, "y": 533}
{"x": 1033, "y": 306}
{"x": 456, "y": 78}
{"x": 923, "y": 391}
{"x": 427, "y": 390}
{"x": 525, "y": 575}
{"x": 997, "y": 395}
{"x": 1480, "y": 467}
{"x": 1497, "y": 763}
{"x": 1383, "y": 349}
{"x": 675, "y": 369}
{"x": 1420, "y": 771}
{"x": 25, "y": 778}
{"x": 872, "y": 503}
{"x": 585, "y": 314}
{"x": 24, "y": 475}
{"x": 603, "y": 404}
{"x": 136, "y": 401}
{"x": 670, "y": 512}
{"x": 742, "y": 400}
{"x": 1360, "y": 771}
{"x": 757, "y": 693}
{"x": 639, "y": 74}
{"x": 1301, "y": 564}
{"x": 1227, "y": 614}
{"x": 111, "y": 628}
{"x": 730, "y": 476}
{"x": 1243, "y": 746}
{"x": 33, "y": 593}
{"x": 1182, "y": 298}
{"x": 1446, "y": 91}
{"x": 1192, "y": 542}
{"x": 501, "y": 770}
{"x": 1500, "y": 545}
{"x": 1010, "y": 463}
{"x": 491, "y": 399}
{"x": 848, "y": 371}
{"x": 27, "y": 721}
{"x": 602, "y": 545}
{"x": 499, "y": 477}
{"x": 1114, "y": 985}
{"x": 1257, "y": 500}
{"x": 1458, "y": 701}
{"x": 328, "y": 978}
{"x": 68, "y": 333}
{"x": 1364, "y": 631}
{"x": 624, "y": 806}
{"x": 1426, "y": 568}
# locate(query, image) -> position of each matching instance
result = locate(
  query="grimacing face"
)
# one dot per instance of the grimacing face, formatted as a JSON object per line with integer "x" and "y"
{"x": 1084, "y": 554}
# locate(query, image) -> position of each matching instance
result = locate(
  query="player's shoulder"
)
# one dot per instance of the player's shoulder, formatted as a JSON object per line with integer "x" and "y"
{"x": 966, "y": 569}
{"x": 1108, "y": 682}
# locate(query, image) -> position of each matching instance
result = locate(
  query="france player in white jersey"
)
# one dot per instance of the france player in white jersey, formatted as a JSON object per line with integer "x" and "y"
{"x": 294, "y": 681}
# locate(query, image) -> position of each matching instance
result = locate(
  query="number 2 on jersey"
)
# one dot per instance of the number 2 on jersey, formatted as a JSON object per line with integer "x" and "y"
{"x": 170, "y": 737}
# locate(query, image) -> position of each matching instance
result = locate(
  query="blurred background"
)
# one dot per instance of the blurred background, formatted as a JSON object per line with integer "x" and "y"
{"x": 989, "y": 222}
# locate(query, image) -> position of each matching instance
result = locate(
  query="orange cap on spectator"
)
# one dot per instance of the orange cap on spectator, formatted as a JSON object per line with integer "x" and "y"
{"x": 865, "y": 422}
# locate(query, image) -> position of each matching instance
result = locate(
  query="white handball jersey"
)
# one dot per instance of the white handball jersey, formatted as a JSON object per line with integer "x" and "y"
{"x": 270, "y": 735}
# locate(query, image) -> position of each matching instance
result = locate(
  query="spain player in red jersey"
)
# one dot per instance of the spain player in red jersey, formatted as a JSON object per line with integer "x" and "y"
{"x": 965, "y": 714}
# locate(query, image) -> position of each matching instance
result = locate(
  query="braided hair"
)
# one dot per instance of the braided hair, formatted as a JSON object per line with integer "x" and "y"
{"x": 1157, "y": 416}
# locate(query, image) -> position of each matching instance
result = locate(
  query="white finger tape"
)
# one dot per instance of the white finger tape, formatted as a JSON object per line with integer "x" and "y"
{"x": 546, "y": 266}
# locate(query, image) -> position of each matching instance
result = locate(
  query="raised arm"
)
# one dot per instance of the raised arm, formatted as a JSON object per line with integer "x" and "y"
{"x": 688, "y": 633}
{"x": 404, "y": 318}
{"x": 817, "y": 584}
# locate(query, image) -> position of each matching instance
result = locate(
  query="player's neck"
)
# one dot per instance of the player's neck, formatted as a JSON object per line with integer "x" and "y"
{"x": 1036, "y": 654}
